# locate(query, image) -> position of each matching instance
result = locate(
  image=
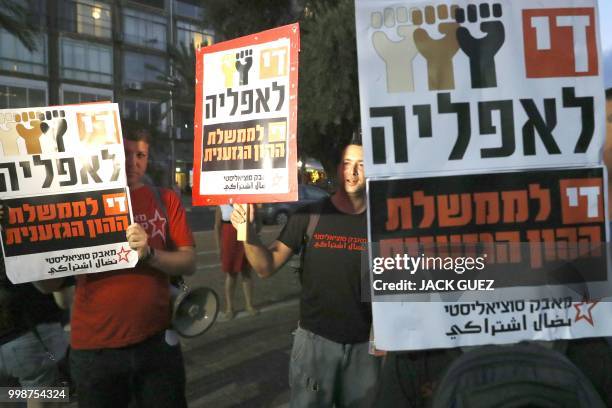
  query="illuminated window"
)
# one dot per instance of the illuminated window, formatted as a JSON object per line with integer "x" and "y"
{"x": 89, "y": 17}
{"x": 191, "y": 35}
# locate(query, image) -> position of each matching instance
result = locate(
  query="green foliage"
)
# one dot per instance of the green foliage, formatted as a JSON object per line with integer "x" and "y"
{"x": 184, "y": 60}
{"x": 328, "y": 91}
{"x": 14, "y": 19}
{"x": 328, "y": 113}
{"x": 182, "y": 83}
{"x": 235, "y": 18}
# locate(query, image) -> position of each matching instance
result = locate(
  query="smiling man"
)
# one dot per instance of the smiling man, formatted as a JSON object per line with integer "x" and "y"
{"x": 330, "y": 364}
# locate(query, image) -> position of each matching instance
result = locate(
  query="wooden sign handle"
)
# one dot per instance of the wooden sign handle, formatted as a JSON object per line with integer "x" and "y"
{"x": 242, "y": 230}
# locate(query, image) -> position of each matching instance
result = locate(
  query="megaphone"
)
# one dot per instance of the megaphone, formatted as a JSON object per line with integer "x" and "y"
{"x": 193, "y": 311}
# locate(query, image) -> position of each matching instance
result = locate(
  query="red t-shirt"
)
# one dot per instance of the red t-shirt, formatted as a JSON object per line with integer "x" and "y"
{"x": 119, "y": 308}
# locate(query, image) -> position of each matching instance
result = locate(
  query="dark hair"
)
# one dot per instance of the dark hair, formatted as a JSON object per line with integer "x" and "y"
{"x": 354, "y": 140}
{"x": 135, "y": 131}
{"x": 608, "y": 93}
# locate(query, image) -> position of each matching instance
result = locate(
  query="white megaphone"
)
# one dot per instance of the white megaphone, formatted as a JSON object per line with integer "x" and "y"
{"x": 193, "y": 311}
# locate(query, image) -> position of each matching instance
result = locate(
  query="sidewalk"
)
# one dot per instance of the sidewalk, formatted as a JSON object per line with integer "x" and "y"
{"x": 242, "y": 362}
{"x": 281, "y": 287}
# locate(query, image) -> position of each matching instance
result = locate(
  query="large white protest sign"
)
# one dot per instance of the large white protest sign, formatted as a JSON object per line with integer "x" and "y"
{"x": 453, "y": 97}
{"x": 488, "y": 85}
{"x": 62, "y": 176}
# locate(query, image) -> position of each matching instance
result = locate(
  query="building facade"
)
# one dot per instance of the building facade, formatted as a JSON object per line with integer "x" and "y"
{"x": 113, "y": 50}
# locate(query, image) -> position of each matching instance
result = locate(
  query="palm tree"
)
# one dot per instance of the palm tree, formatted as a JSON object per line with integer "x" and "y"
{"x": 182, "y": 83}
{"x": 14, "y": 19}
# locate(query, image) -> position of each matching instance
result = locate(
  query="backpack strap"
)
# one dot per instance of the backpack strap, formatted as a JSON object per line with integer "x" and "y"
{"x": 158, "y": 199}
{"x": 313, "y": 221}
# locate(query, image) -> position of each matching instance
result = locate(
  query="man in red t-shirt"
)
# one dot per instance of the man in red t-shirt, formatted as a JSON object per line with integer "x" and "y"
{"x": 119, "y": 318}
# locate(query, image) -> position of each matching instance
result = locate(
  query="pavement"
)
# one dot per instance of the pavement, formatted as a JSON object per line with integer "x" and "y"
{"x": 284, "y": 285}
{"x": 242, "y": 362}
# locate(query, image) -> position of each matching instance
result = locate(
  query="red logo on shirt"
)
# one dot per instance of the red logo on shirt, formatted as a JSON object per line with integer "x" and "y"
{"x": 158, "y": 226}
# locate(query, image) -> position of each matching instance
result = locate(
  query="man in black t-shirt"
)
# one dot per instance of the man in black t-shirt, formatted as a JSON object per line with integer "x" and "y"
{"x": 330, "y": 363}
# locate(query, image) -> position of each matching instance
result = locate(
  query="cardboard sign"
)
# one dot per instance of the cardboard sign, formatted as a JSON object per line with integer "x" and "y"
{"x": 494, "y": 85}
{"x": 62, "y": 175}
{"x": 245, "y": 143}
{"x": 451, "y": 92}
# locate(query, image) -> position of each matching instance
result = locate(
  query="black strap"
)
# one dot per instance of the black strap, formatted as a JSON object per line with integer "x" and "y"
{"x": 160, "y": 204}
{"x": 313, "y": 221}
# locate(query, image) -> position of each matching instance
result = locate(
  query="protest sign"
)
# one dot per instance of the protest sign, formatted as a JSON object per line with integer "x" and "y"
{"x": 427, "y": 325}
{"x": 504, "y": 84}
{"x": 503, "y": 219}
{"x": 245, "y": 148}
{"x": 62, "y": 176}
{"x": 477, "y": 112}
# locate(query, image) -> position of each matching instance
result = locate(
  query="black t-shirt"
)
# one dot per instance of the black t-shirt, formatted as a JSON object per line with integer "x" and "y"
{"x": 330, "y": 302}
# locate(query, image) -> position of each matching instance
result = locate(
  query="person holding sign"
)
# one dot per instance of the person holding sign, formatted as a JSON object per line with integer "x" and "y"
{"x": 119, "y": 350}
{"x": 330, "y": 363}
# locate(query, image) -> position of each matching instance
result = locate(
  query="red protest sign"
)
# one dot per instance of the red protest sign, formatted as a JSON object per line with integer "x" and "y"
{"x": 245, "y": 140}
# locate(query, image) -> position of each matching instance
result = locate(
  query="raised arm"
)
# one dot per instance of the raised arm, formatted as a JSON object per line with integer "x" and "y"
{"x": 265, "y": 261}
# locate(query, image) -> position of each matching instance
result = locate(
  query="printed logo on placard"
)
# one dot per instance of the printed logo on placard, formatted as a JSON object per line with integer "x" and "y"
{"x": 36, "y": 133}
{"x": 237, "y": 66}
{"x": 581, "y": 200}
{"x": 584, "y": 311}
{"x": 557, "y": 42}
{"x": 273, "y": 62}
{"x": 560, "y": 42}
{"x": 437, "y": 34}
{"x": 28, "y": 128}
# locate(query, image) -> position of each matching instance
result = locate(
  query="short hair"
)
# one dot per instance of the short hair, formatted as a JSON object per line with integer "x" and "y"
{"x": 355, "y": 139}
{"x": 608, "y": 93}
{"x": 135, "y": 131}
